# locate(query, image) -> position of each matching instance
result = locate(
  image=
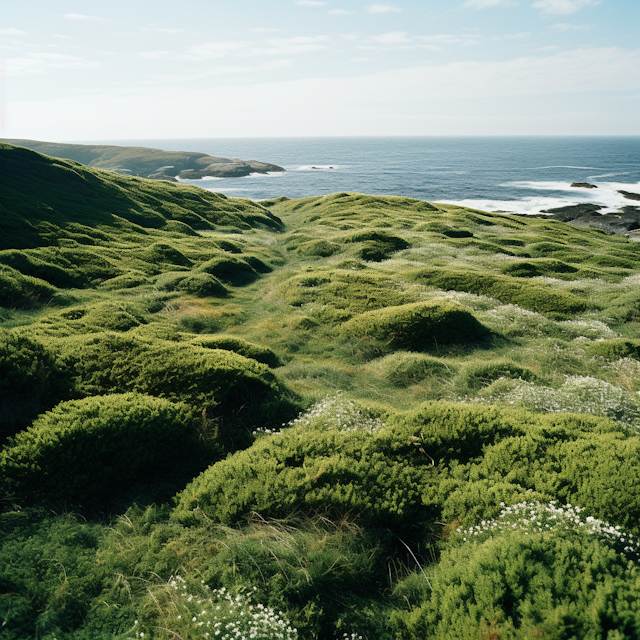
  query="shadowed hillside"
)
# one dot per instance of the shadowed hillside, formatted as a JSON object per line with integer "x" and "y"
{"x": 348, "y": 416}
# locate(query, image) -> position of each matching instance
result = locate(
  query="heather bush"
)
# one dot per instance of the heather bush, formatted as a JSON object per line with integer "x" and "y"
{"x": 87, "y": 452}
{"x": 230, "y": 270}
{"x": 17, "y": 290}
{"x": 476, "y": 376}
{"x": 403, "y": 369}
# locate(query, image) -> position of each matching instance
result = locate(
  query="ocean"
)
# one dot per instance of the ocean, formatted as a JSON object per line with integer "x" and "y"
{"x": 506, "y": 174}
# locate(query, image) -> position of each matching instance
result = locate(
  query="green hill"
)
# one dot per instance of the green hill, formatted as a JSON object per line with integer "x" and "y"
{"x": 346, "y": 416}
{"x": 147, "y": 162}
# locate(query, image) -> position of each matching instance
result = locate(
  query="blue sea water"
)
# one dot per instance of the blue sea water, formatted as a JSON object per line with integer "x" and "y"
{"x": 510, "y": 174}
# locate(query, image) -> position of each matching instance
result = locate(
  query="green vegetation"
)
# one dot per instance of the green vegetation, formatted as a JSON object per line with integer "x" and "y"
{"x": 342, "y": 417}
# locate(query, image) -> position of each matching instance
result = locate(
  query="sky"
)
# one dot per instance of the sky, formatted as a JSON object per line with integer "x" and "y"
{"x": 80, "y": 70}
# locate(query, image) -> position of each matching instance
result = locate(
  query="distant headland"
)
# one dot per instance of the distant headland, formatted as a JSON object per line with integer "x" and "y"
{"x": 149, "y": 163}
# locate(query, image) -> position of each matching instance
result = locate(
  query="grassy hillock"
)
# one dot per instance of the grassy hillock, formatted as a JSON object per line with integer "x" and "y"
{"x": 341, "y": 417}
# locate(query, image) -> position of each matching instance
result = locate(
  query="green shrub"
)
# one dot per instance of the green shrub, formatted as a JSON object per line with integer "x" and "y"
{"x": 49, "y": 577}
{"x": 230, "y": 270}
{"x": 541, "y": 267}
{"x": 232, "y": 391}
{"x": 404, "y": 369}
{"x": 319, "y": 248}
{"x": 31, "y": 381}
{"x": 202, "y": 285}
{"x": 31, "y": 265}
{"x": 88, "y": 451}
{"x": 114, "y": 317}
{"x": 615, "y": 349}
{"x": 329, "y": 471}
{"x": 162, "y": 253}
{"x": 125, "y": 281}
{"x": 17, "y": 290}
{"x": 418, "y": 326}
{"x": 337, "y": 295}
{"x": 520, "y": 586}
{"x": 478, "y": 376}
{"x": 377, "y": 245}
{"x": 244, "y": 348}
{"x": 507, "y": 289}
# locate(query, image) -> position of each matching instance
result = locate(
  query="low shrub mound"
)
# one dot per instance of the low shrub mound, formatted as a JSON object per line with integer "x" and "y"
{"x": 419, "y": 326}
{"x": 334, "y": 470}
{"x": 523, "y": 585}
{"x": 85, "y": 452}
{"x": 128, "y": 280}
{"x": 201, "y": 285}
{"x": 404, "y": 369}
{"x": 162, "y": 253}
{"x": 230, "y": 270}
{"x": 539, "y": 267}
{"x": 615, "y": 349}
{"x": 376, "y": 245}
{"x": 31, "y": 381}
{"x": 114, "y": 317}
{"x": 18, "y": 290}
{"x": 232, "y": 392}
{"x": 534, "y": 297}
{"x": 476, "y": 377}
{"x": 338, "y": 294}
{"x": 244, "y": 348}
{"x": 319, "y": 248}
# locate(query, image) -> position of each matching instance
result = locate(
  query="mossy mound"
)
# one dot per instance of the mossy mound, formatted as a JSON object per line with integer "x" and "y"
{"x": 540, "y": 267}
{"x": 230, "y": 270}
{"x": 326, "y": 472}
{"x": 419, "y": 326}
{"x": 18, "y": 290}
{"x": 197, "y": 284}
{"x": 404, "y": 369}
{"x": 376, "y": 245}
{"x": 216, "y": 383}
{"x": 543, "y": 299}
{"x": 32, "y": 380}
{"x": 478, "y": 376}
{"x": 615, "y": 349}
{"x": 337, "y": 295}
{"x": 244, "y": 348}
{"x": 85, "y": 452}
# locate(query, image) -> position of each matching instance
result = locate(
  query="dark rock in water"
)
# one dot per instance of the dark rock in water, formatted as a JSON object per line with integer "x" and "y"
{"x": 621, "y": 222}
{"x": 572, "y": 211}
{"x": 630, "y": 195}
{"x": 584, "y": 185}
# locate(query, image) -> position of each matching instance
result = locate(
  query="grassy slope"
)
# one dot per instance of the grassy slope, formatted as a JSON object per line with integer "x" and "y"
{"x": 137, "y": 161}
{"x": 518, "y": 318}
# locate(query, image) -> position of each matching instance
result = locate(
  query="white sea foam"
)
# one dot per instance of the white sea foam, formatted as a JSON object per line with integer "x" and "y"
{"x": 606, "y": 195}
{"x": 317, "y": 167}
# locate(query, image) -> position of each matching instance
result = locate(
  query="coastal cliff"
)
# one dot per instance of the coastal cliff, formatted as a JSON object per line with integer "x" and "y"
{"x": 148, "y": 162}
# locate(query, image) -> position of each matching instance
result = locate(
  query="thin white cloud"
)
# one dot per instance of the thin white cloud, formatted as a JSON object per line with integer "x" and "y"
{"x": 484, "y": 4}
{"x": 265, "y": 30}
{"x": 12, "y": 32}
{"x": 565, "y": 26}
{"x": 382, "y": 8}
{"x": 562, "y": 6}
{"x": 40, "y": 62}
{"x": 310, "y": 3}
{"x": 245, "y": 48}
{"x": 393, "y": 37}
{"x": 340, "y": 12}
{"x": 83, "y": 18}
